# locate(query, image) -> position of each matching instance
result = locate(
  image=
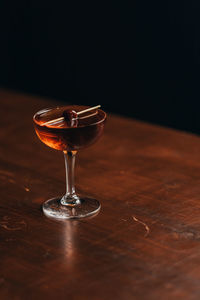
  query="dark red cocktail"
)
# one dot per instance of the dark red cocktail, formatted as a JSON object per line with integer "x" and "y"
{"x": 59, "y": 135}
{"x": 69, "y": 129}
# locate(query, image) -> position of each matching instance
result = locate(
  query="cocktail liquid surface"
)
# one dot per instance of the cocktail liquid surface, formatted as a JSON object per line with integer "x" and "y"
{"x": 61, "y": 136}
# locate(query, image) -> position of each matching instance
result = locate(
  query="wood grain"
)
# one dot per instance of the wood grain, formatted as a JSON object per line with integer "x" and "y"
{"x": 145, "y": 242}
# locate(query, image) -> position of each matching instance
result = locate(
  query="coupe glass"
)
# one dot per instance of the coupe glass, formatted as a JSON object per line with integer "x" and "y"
{"x": 69, "y": 139}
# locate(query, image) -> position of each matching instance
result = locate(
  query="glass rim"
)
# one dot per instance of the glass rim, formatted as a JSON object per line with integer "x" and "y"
{"x": 57, "y": 107}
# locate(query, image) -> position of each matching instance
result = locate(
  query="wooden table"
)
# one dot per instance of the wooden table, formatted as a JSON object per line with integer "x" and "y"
{"x": 145, "y": 242}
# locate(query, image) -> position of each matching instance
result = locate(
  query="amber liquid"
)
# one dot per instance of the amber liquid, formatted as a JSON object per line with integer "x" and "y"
{"x": 60, "y": 136}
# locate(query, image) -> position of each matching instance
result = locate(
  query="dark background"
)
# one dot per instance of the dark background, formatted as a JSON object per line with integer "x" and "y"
{"x": 140, "y": 60}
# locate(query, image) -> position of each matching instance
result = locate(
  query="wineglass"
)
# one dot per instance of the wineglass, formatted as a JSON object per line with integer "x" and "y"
{"x": 69, "y": 129}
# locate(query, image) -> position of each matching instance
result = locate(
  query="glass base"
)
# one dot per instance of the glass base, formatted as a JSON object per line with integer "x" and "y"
{"x": 54, "y": 209}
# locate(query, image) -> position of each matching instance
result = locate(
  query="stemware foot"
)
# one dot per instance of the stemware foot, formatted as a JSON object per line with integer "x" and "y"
{"x": 54, "y": 209}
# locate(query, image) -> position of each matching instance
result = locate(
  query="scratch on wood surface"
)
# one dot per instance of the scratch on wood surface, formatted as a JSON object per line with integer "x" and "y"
{"x": 8, "y": 176}
{"x": 10, "y": 228}
{"x": 11, "y": 180}
{"x": 10, "y": 240}
{"x": 4, "y": 172}
{"x": 19, "y": 225}
{"x": 144, "y": 224}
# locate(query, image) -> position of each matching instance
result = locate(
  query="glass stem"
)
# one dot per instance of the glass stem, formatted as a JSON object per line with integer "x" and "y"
{"x": 70, "y": 198}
